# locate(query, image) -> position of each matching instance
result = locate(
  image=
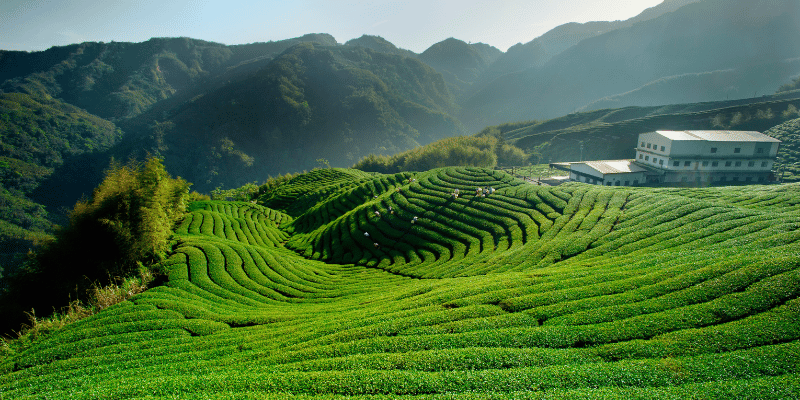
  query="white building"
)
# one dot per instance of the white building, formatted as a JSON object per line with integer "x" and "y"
{"x": 706, "y": 156}
{"x": 608, "y": 172}
{"x": 685, "y": 157}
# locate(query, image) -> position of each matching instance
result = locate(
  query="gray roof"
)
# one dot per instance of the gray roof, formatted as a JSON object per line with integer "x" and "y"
{"x": 615, "y": 166}
{"x": 719, "y": 136}
{"x": 609, "y": 166}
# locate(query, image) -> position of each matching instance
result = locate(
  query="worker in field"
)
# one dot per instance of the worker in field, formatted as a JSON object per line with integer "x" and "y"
{"x": 377, "y": 214}
{"x": 366, "y": 234}
{"x": 390, "y": 210}
{"x": 414, "y": 220}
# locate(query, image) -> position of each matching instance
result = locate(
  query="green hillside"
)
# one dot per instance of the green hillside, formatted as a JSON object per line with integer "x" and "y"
{"x": 337, "y": 103}
{"x": 39, "y": 139}
{"x": 528, "y": 292}
{"x": 612, "y": 133}
{"x": 701, "y": 37}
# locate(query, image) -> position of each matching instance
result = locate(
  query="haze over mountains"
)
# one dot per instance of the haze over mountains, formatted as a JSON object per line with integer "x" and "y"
{"x": 222, "y": 116}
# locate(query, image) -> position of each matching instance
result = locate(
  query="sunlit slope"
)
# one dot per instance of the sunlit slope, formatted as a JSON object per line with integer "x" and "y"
{"x": 573, "y": 292}
{"x": 419, "y": 227}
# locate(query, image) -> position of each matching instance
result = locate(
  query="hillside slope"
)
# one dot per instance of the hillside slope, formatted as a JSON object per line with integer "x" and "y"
{"x": 311, "y": 102}
{"x": 540, "y": 50}
{"x": 530, "y": 292}
{"x": 708, "y": 35}
{"x": 612, "y": 133}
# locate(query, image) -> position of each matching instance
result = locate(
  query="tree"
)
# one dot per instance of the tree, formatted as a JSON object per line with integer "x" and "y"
{"x": 125, "y": 226}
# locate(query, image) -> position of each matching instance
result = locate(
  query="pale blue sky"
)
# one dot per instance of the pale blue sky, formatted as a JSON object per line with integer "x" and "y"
{"x": 410, "y": 24}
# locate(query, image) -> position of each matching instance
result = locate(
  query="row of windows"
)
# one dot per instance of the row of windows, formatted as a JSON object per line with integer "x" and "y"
{"x": 608, "y": 183}
{"x": 725, "y": 179}
{"x": 736, "y": 150}
{"x": 654, "y": 146}
{"x": 705, "y": 163}
{"x": 655, "y": 160}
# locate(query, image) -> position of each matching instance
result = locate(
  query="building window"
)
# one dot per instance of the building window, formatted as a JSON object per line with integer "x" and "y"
{"x": 738, "y": 163}
{"x": 676, "y": 163}
{"x": 661, "y": 162}
{"x": 751, "y": 164}
{"x": 713, "y": 149}
{"x": 616, "y": 183}
{"x": 737, "y": 150}
{"x": 648, "y": 145}
{"x": 608, "y": 183}
{"x": 736, "y": 179}
{"x": 714, "y": 163}
{"x": 627, "y": 183}
{"x": 635, "y": 182}
{"x": 705, "y": 163}
{"x": 647, "y": 158}
{"x": 763, "y": 164}
{"x": 662, "y": 148}
{"x": 642, "y": 144}
{"x": 687, "y": 163}
{"x": 760, "y": 150}
{"x": 748, "y": 179}
{"x": 727, "y": 163}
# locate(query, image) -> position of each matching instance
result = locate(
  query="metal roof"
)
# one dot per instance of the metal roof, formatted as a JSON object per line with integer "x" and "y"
{"x": 613, "y": 166}
{"x": 719, "y": 136}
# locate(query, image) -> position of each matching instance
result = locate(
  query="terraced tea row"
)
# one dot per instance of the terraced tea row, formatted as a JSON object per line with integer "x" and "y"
{"x": 441, "y": 216}
{"x": 241, "y": 222}
{"x": 575, "y": 292}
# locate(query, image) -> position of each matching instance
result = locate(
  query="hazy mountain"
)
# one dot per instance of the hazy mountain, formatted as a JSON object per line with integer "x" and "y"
{"x": 460, "y": 63}
{"x": 338, "y": 103}
{"x": 733, "y": 83}
{"x": 540, "y": 50}
{"x": 121, "y": 80}
{"x": 381, "y": 45}
{"x": 710, "y": 35}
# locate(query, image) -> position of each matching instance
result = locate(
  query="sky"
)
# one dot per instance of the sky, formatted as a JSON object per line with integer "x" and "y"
{"x": 411, "y": 24}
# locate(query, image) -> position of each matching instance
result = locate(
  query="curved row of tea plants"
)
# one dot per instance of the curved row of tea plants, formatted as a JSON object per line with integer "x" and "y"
{"x": 571, "y": 292}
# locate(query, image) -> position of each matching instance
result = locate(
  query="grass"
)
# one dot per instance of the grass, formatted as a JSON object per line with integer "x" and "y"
{"x": 531, "y": 292}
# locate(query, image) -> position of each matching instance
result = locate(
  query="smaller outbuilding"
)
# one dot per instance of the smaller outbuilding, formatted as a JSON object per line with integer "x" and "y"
{"x": 604, "y": 172}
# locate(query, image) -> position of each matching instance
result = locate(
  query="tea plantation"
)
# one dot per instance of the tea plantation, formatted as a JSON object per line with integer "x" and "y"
{"x": 341, "y": 284}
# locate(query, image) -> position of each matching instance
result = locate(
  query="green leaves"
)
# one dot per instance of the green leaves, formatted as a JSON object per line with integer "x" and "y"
{"x": 590, "y": 292}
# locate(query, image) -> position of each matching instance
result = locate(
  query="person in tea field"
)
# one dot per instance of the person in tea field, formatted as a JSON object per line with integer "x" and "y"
{"x": 377, "y": 214}
{"x": 414, "y": 220}
{"x": 366, "y": 234}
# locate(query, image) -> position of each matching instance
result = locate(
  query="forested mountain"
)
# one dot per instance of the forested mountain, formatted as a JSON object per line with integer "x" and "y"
{"x": 541, "y": 49}
{"x": 380, "y": 45}
{"x": 311, "y": 102}
{"x": 709, "y": 35}
{"x": 460, "y": 63}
